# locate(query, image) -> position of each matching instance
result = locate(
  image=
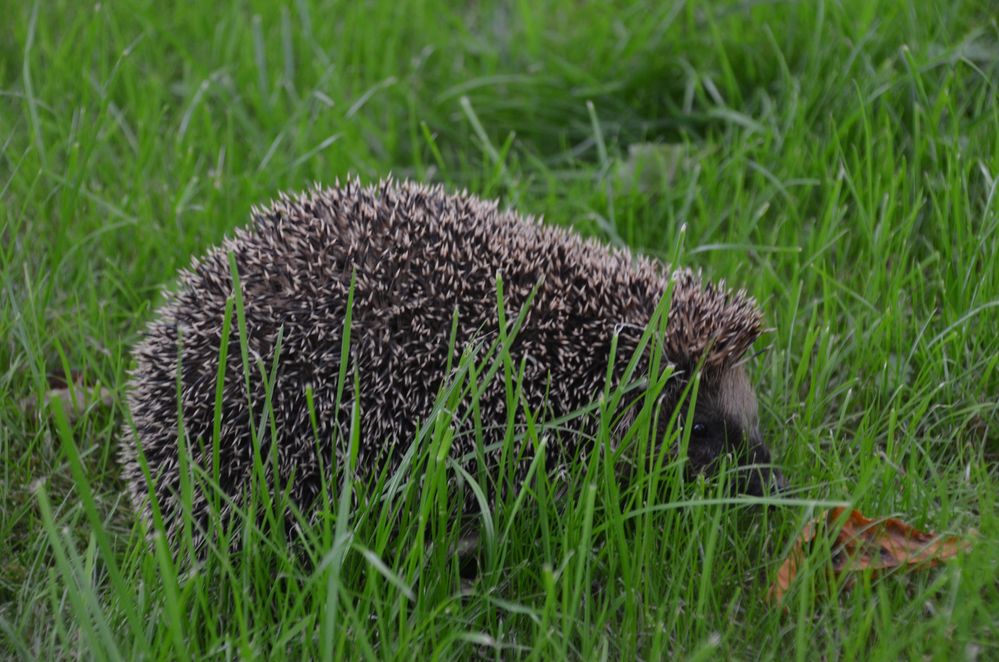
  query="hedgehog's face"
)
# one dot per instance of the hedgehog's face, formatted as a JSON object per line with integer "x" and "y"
{"x": 726, "y": 423}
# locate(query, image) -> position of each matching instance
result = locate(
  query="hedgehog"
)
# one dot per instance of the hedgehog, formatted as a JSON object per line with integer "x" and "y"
{"x": 420, "y": 268}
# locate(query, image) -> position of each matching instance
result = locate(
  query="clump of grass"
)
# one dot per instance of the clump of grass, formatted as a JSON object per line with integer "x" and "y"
{"x": 838, "y": 159}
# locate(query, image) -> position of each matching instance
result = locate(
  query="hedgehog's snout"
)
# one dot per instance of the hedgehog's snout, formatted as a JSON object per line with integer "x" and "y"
{"x": 735, "y": 403}
{"x": 714, "y": 441}
{"x": 763, "y": 479}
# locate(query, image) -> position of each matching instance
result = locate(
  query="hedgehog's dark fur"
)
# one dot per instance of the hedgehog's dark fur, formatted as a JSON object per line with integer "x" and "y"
{"x": 418, "y": 254}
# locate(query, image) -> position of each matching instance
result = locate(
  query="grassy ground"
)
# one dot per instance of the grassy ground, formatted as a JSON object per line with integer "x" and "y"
{"x": 839, "y": 159}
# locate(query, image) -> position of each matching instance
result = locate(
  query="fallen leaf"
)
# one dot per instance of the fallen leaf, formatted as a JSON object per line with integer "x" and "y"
{"x": 863, "y": 543}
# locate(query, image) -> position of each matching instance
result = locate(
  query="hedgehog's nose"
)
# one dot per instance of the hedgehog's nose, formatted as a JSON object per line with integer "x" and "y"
{"x": 766, "y": 479}
{"x": 779, "y": 484}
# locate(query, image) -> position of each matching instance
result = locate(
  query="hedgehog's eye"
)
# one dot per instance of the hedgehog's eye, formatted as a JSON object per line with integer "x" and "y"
{"x": 699, "y": 430}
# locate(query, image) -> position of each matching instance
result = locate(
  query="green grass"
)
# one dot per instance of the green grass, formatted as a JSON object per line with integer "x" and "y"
{"x": 838, "y": 159}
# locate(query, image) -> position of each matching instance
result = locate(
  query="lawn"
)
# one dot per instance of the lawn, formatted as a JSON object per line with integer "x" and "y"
{"x": 838, "y": 159}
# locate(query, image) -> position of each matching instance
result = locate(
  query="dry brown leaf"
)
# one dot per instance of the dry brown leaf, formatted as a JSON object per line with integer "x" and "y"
{"x": 864, "y": 543}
